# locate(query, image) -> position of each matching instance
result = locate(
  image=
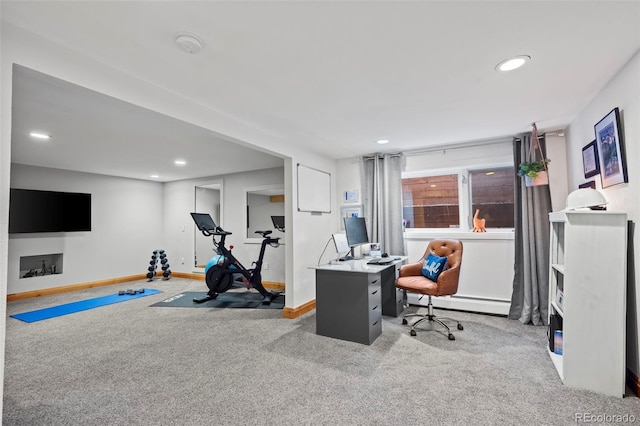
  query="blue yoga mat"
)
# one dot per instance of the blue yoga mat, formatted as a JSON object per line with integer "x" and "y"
{"x": 82, "y": 305}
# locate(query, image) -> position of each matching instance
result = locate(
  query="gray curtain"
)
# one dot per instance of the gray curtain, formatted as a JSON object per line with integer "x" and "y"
{"x": 382, "y": 200}
{"x": 531, "y": 267}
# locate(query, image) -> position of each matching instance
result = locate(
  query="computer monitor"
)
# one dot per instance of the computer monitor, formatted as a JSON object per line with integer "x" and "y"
{"x": 356, "y": 230}
{"x": 204, "y": 222}
{"x": 278, "y": 222}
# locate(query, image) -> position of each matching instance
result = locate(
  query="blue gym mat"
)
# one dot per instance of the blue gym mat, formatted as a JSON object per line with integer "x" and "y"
{"x": 82, "y": 305}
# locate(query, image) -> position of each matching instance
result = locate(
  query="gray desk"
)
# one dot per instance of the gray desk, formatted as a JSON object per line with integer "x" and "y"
{"x": 352, "y": 296}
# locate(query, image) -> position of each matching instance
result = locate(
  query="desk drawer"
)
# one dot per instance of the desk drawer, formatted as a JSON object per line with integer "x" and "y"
{"x": 375, "y": 295}
{"x": 375, "y": 313}
{"x": 375, "y": 323}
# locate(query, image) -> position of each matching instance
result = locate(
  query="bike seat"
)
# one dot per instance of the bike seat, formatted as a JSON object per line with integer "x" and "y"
{"x": 264, "y": 233}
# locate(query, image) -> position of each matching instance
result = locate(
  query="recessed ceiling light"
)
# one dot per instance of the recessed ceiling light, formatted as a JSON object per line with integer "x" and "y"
{"x": 155, "y": 176}
{"x": 180, "y": 162}
{"x": 513, "y": 63}
{"x": 39, "y": 135}
{"x": 382, "y": 141}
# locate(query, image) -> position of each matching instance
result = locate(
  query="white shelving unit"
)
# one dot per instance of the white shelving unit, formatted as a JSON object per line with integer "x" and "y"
{"x": 587, "y": 288}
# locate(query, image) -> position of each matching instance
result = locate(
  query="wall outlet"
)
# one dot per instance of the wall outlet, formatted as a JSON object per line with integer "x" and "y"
{"x": 265, "y": 266}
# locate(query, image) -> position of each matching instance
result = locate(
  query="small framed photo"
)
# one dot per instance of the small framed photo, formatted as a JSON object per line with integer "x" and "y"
{"x": 613, "y": 167}
{"x": 350, "y": 211}
{"x": 591, "y": 184}
{"x": 590, "y": 160}
{"x": 352, "y": 196}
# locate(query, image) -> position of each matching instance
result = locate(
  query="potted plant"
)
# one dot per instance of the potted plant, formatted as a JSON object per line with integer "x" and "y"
{"x": 534, "y": 172}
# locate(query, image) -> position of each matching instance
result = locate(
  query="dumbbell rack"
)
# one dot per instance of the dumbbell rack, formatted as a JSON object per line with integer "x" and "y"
{"x": 162, "y": 257}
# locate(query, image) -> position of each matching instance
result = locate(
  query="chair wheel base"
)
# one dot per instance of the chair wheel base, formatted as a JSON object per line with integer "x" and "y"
{"x": 460, "y": 327}
{"x": 452, "y": 337}
{"x": 404, "y": 321}
{"x": 413, "y": 333}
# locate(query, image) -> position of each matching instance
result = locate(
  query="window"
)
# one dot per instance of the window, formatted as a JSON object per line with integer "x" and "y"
{"x": 431, "y": 201}
{"x": 450, "y": 200}
{"x": 492, "y": 193}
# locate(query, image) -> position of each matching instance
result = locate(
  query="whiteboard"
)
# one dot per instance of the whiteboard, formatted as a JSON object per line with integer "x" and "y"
{"x": 314, "y": 190}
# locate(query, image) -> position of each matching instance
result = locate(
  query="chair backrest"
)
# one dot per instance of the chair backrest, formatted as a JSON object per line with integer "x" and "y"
{"x": 448, "y": 280}
{"x": 452, "y": 249}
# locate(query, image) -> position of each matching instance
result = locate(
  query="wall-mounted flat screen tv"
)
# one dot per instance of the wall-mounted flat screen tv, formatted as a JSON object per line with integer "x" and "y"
{"x": 48, "y": 211}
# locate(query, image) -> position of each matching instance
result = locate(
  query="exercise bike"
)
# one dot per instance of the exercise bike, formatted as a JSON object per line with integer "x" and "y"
{"x": 221, "y": 270}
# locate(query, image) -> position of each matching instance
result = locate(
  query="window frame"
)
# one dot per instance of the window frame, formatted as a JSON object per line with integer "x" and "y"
{"x": 464, "y": 194}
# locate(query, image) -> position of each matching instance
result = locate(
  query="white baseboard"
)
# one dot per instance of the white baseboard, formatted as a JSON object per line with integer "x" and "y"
{"x": 462, "y": 303}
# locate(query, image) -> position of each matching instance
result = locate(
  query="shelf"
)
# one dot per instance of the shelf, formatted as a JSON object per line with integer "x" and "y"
{"x": 557, "y": 363}
{"x": 40, "y": 265}
{"x": 593, "y": 345}
{"x": 557, "y": 308}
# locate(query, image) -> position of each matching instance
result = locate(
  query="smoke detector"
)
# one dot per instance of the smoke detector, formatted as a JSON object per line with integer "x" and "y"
{"x": 188, "y": 42}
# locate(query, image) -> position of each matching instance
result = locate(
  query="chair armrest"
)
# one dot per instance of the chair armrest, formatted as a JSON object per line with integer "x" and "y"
{"x": 448, "y": 281}
{"x": 411, "y": 269}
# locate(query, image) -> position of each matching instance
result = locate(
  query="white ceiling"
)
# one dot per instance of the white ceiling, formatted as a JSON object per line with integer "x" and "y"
{"x": 333, "y": 76}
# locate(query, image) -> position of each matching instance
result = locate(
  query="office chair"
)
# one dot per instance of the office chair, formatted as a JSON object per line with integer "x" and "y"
{"x": 412, "y": 279}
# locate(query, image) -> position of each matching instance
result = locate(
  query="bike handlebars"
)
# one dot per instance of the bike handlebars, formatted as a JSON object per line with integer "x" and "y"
{"x": 218, "y": 232}
{"x": 221, "y": 232}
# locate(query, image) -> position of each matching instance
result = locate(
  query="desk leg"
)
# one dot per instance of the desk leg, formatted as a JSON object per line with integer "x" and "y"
{"x": 392, "y": 305}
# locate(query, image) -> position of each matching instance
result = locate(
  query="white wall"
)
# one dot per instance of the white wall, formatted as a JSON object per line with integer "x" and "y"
{"x": 179, "y": 231}
{"x": 556, "y": 151}
{"x": 261, "y": 208}
{"x": 207, "y": 200}
{"x": 623, "y": 91}
{"x": 126, "y": 226}
{"x": 311, "y": 231}
{"x": 494, "y": 153}
{"x": 486, "y": 277}
{"x": 306, "y": 233}
{"x": 487, "y": 272}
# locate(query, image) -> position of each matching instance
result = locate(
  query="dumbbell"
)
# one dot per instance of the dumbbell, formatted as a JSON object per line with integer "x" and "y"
{"x": 165, "y": 267}
{"x": 150, "y": 275}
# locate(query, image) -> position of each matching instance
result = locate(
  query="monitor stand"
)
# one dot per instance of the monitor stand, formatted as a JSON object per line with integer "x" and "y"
{"x": 350, "y": 256}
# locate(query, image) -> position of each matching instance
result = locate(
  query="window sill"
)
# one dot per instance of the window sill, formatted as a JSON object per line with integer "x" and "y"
{"x": 495, "y": 234}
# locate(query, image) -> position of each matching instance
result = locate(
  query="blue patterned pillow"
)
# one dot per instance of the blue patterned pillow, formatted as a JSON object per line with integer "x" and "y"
{"x": 433, "y": 266}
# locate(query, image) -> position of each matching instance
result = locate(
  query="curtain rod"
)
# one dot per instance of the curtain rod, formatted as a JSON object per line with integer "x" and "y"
{"x": 420, "y": 151}
{"x": 391, "y": 154}
{"x": 559, "y": 133}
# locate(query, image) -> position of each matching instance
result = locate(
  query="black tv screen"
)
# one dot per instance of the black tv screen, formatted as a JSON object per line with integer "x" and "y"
{"x": 48, "y": 211}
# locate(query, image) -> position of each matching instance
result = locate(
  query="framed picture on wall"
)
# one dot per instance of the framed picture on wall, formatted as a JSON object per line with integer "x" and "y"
{"x": 350, "y": 211}
{"x": 613, "y": 167}
{"x": 590, "y": 160}
{"x": 591, "y": 184}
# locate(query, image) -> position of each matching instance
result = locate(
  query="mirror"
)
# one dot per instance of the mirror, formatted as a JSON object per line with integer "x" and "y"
{"x": 262, "y": 203}
{"x": 208, "y": 199}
